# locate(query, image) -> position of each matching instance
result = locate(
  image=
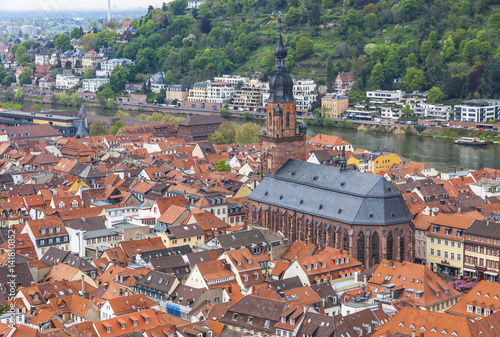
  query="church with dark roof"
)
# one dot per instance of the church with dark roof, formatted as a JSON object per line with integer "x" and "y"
{"x": 328, "y": 206}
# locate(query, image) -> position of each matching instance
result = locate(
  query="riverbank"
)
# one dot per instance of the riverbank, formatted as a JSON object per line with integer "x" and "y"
{"x": 414, "y": 130}
{"x": 398, "y": 129}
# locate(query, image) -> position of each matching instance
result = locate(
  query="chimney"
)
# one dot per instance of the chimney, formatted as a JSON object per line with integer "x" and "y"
{"x": 84, "y": 219}
{"x": 379, "y": 305}
{"x": 413, "y": 333}
{"x": 83, "y": 285}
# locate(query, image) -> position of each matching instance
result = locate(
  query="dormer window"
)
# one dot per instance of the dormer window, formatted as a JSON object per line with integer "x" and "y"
{"x": 58, "y": 230}
{"x": 50, "y": 230}
{"x": 323, "y": 264}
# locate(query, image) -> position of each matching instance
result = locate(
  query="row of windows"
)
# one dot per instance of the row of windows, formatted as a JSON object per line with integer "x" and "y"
{"x": 443, "y": 305}
{"x": 482, "y": 250}
{"x": 451, "y": 255}
{"x": 480, "y": 262}
{"x": 51, "y": 241}
{"x": 478, "y": 310}
{"x": 447, "y": 243}
{"x": 481, "y": 238}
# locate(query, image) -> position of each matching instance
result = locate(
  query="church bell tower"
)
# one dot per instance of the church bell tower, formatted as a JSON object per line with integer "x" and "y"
{"x": 282, "y": 140}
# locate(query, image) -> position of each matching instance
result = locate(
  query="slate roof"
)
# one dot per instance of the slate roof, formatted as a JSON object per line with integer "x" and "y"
{"x": 239, "y": 239}
{"x": 341, "y": 195}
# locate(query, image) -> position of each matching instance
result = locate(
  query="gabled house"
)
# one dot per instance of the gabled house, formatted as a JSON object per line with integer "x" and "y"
{"x": 126, "y": 305}
{"x": 46, "y": 233}
{"x": 257, "y": 315}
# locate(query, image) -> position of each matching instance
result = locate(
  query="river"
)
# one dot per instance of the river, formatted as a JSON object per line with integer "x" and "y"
{"x": 441, "y": 153}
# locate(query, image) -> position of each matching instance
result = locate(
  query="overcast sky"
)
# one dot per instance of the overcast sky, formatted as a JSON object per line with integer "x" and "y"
{"x": 49, "y": 5}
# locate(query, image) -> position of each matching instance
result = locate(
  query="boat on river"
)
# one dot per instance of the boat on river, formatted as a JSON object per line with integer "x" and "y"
{"x": 472, "y": 141}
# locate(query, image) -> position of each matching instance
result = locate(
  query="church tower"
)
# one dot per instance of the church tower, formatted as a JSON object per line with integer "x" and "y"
{"x": 282, "y": 140}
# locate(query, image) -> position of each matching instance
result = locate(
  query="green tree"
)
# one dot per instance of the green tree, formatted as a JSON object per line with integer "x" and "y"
{"x": 115, "y": 128}
{"x": 89, "y": 42}
{"x": 391, "y": 66}
{"x": 435, "y": 95}
{"x": 122, "y": 115}
{"x": 36, "y": 107}
{"x": 25, "y": 77}
{"x": 223, "y": 112}
{"x": 248, "y": 133}
{"x": 414, "y": 79}
{"x": 118, "y": 78}
{"x": 225, "y": 134}
{"x": 75, "y": 33}
{"x": 407, "y": 112}
{"x": 76, "y": 100}
{"x": 494, "y": 22}
{"x": 63, "y": 42}
{"x": 19, "y": 94}
{"x": 89, "y": 73}
{"x": 105, "y": 95}
{"x": 169, "y": 77}
{"x": 356, "y": 97}
{"x": 98, "y": 128}
{"x": 291, "y": 17}
{"x": 378, "y": 76}
{"x": 304, "y": 47}
{"x": 22, "y": 56}
{"x": 222, "y": 166}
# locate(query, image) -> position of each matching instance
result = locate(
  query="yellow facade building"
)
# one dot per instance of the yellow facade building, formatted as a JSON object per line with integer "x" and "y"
{"x": 176, "y": 236}
{"x": 445, "y": 239}
{"x": 334, "y": 105}
{"x": 383, "y": 161}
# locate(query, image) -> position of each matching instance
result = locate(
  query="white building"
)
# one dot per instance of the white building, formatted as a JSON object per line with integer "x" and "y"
{"x": 385, "y": 95}
{"x": 304, "y": 92}
{"x": 436, "y": 111}
{"x": 195, "y": 3}
{"x": 390, "y": 112}
{"x": 477, "y": 111}
{"x": 108, "y": 66}
{"x": 157, "y": 82}
{"x": 93, "y": 84}
{"x": 29, "y": 30}
{"x": 233, "y": 79}
{"x": 41, "y": 59}
{"x": 67, "y": 81}
{"x": 219, "y": 92}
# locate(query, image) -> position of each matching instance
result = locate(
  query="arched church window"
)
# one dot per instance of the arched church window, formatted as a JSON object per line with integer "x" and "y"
{"x": 361, "y": 247}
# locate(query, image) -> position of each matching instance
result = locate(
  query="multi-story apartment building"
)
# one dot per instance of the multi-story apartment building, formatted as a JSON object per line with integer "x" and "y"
{"x": 67, "y": 81}
{"x": 334, "y": 105}
{"x": 177, "y": 92}
{"x": 198, "y": 93}
{"x": 30, "y": 30}
{"x": 93, "y": 84}
{"x": 445, "y": 238}
{"x": 233, "y": 79}
{"x": 436, "y": 111}
{"x": 385, "y": 95}
{"x": 477, "y": 111}
{"x": 304, "y": 93}
{"x": 482, "y": 250}
{"x": 91, "y": 59}
{"x": 108, "y": 66}
{"x": 219, "y": 92}
{"x": 248, "y": 97}
{"x": 391, "y": 112}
